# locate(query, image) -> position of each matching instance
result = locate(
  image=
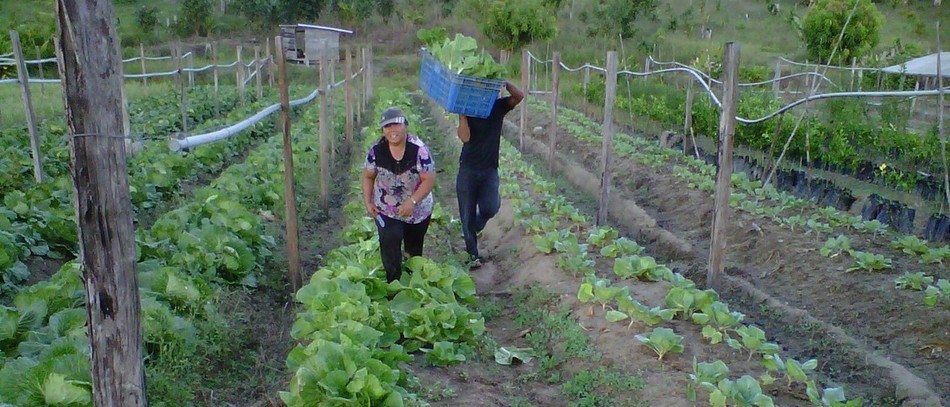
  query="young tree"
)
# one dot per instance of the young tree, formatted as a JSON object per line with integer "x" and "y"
{"x": 612, "y": 17}
{"x": 822, "y": 28}
{"x": 196, "y": 17}
{"x": 511, "y": 25}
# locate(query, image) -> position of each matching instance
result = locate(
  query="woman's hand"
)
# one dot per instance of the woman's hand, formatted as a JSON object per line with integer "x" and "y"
{"x": 406, "y": 208}
{"x": 371, "y": 209}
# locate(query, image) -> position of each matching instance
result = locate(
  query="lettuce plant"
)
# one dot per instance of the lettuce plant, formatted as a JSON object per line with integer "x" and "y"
{"x": 662, "y": 341}
{"x": 621, "y": 247}
{"x": 687, "y": 300}
{"x": 754, "y": 340}
{"x": 744, "y": 392}
{"x": 835, "y": 246}
{"x": 911, "y": 245}
{"x": 601, "y": 235}
{"x": 705, "y": 375}
{"x": 642, "y": 267}
{"x": 939, "y": 293}
{"x": 869, "y": 262}
{"x": 913, "y": 281}
{"x": 718, "y": 321}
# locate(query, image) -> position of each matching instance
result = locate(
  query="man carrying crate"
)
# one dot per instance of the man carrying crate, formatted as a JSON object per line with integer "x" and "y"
{"x": 477, "y": 181}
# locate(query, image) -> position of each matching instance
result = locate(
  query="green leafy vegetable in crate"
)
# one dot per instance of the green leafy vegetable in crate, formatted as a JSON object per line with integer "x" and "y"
{"x": 461, "y": 55}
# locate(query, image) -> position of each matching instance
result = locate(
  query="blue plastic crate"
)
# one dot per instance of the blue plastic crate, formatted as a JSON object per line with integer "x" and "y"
{"x": 463, "y": 94}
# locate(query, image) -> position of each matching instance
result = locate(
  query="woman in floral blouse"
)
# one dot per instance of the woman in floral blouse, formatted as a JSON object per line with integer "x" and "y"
{"x": 398, "y": 178}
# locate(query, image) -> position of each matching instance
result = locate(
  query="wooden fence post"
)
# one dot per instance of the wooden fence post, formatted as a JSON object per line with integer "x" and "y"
{"x": 348, "y": 144}
{"x": 24, "y": 77}
{"x": 727, "y": 129}
{"x": 142, "y": 61}
{"x": 688, "y": 119}
{"x": 258, "y": 70}
{"x": 270, "y": 68}
{"x": 555, "y": 96}
{"x": 91, "y": 72}
{"x": 331, "y": 95}
{"x": 240, "y": 75}
{"x": 39, "y": 56}
{"x": 776, "y": 86}
{"x": 182, "y": 102}
{"x": 290, "y": 189}
{"x": 369, "y": 74}
{"x": 364, "y": 80}
{"x": 324, "y": 162}
{"x": 941, "y": 131}
{"x": 854, "y": 63}
{"x": 214, "y": 73}
{"x": 608, "y": 144}
{"x": 526, "y": 83}
{"x": 191, "y": 65}
{"x": 358, "y": 97}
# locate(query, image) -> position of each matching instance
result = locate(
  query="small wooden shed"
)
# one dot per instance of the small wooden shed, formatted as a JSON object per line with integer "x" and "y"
{"x": 302, "y": 42}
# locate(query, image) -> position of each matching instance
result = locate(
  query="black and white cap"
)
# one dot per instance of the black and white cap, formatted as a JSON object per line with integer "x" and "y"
{"x": 393, "y": 115}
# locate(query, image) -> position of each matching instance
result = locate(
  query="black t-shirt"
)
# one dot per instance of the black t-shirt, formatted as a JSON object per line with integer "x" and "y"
{"x": 481, "y": 151}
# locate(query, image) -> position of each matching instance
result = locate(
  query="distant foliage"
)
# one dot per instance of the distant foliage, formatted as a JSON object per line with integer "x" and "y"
{"x": 511, "y": 25}
{"x": 265, "y": 15}
{"x": 613, "y": 17}
{"x": 823, "y": 25}
{"x": 196, "y": 18}
{"x": 354, "y": 11}
{"x": 147, "y": 17}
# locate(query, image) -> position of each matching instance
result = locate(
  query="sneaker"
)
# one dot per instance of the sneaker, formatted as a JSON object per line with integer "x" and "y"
{"x": 475, "y": 262}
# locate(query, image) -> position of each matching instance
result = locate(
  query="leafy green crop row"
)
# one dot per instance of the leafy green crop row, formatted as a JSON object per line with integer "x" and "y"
{"x": 216, "y": 238}
{"x": 752, "y": 197}
{"x": 355, "y": 329}
{"x": 40, "y": 220}
{"x": 719, "y": 324}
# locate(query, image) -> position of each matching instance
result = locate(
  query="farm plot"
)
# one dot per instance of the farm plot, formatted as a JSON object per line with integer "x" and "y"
{"x": 839, "y": 275}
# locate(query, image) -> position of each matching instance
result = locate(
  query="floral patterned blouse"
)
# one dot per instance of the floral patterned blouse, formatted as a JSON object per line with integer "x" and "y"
{"x": 396, "y": 180}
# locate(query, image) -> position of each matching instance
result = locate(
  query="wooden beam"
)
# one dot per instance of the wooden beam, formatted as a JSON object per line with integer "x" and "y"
{"x": 290, "y": 189}
{"x": 240, "y": 74}
{"x": 331, "y": 105}
{"x": 941, "y": 131}
{"x": 214, "y": 72}
{"x": 258, "y": 68}
{"x": 727, "y": 129}
{"x": 91, "y": 71}
{"x": 24, "y": 77}
{"x": 555, "y": 99}
{"x": 608, "y": 145}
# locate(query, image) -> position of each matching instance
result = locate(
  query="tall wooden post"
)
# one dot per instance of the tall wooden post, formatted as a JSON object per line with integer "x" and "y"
{"x": 854, "y": 63}
{"x": 688, "y": 117}
{"x": 91, "y": 72}
{"x": 324, "y": 154}
{"x": 555, "y": 99}
{"x": 270, "y": 68}
{"x": 181, "y": 89}
{"x": 142, "y": 62}
{"x": 365, "y": 68}
{"x": 349, "y": 102}
{"x": 290, "y": 189}
{"x": 24, "y": 77}
{"x": 240, "y": 75}
{"x": 214, "y": 73}
{"x": 727, "y": 129}
{"x": 608, "y": 147}
{"x": 258, "y": 81}
{"x": 526, "y": 83}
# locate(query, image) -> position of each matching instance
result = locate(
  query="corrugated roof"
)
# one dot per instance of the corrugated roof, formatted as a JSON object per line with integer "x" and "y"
{"x": 317, "y": 27}
{"x": 923, "y": 66}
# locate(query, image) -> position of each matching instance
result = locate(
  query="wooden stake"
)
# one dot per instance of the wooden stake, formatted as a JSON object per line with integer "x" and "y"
{"x": 142, "y": 61}
{"x": 269, "y": 59}
{"x": 369, "y": 74}
{"x": 191, "y": 65}
{"x": 257, "y": 68}
{"x": 778, "y": 74}
{"x": 854, "y": 63}
{"x": 214, "y": 72}
{"x": 324, "y": 133}
{"x": 181, "y": 90}
{"x": 688, "y": 120}
{"x": 24, "y": 77}
{"x": 331, "y": 105}
{"x": 727, "y": 129}
{"x": 91, "y": 72}
{"x": 39, "y": 67}
{"x": 608, "y": 147}
{"x": 290, "y": 189}
{"x": 526, "y": 83}
{"x": 240, "y": 75}
{"x": 555, "y": 99}
{"x": 348, "y": 144}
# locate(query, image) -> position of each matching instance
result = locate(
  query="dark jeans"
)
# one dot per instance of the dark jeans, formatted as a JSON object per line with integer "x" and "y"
{"x": 391, "y": 238}
{"x": 478, "y": 202}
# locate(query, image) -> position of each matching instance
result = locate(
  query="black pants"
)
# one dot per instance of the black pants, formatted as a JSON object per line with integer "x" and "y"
{"x": 391, "y": 238}
{"x": 479, "y": 201}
